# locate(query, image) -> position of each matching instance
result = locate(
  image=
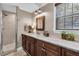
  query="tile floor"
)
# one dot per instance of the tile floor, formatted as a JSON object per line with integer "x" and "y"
{"x": 17, "y": 53}
{"x": 20, "y": 52}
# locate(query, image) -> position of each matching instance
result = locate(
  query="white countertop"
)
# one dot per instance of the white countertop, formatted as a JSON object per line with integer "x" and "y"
{"x": 72, "y": 45}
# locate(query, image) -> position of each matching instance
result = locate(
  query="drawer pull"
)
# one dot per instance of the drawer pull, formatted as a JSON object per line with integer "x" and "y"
{"x": 43, "y": 45}
{"x": 43, "y": 49}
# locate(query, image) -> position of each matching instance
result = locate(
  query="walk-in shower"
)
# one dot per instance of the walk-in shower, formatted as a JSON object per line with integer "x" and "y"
{"x": 8, "y": 29}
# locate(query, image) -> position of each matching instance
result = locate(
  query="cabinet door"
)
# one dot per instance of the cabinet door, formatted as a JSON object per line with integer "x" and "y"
{"x": 24, "y": 42}
{"x": 27, "y": 45}
{"x": 66, "y": 52}
{"x": 32, "y": 49}
{"x": 30, "y": 45}
{"x": 35, "y": 47}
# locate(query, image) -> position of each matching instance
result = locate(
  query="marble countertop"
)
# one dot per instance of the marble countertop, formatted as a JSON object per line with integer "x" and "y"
{"x": 72, "y": 45}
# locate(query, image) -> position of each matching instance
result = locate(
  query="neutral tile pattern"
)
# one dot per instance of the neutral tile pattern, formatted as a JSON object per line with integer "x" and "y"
{"x": 18, "y": 53}
{"x": 3, "y": 53}
{"x": 9, "y": 47}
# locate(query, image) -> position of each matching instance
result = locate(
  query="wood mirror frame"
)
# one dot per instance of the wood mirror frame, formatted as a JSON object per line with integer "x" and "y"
{"x": 40, "y": 23}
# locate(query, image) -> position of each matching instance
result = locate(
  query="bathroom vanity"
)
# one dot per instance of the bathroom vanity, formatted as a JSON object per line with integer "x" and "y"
{"x": 39, "y": 45}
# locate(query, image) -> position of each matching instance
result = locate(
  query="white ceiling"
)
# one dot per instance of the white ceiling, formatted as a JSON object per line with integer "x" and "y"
{"x": 29, "y": 7}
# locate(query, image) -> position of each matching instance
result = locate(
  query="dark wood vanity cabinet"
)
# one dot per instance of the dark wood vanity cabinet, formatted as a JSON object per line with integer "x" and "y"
{"x": 36, "y": 47}
{"x": 39, "y": 48}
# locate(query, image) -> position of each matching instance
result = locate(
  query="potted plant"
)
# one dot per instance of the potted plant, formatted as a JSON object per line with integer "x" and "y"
{"x": 63, "y": 35}
{"x": 70, "y": 36}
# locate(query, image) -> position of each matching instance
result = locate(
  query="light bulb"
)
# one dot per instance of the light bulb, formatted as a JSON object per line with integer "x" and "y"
{"x": 39, "y": 11}
{"x": 36, "y": 13}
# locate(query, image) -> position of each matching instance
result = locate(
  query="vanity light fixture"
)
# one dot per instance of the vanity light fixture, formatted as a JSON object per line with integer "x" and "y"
{"x": 39, "y": 11}
{"x": 36, "y": 13}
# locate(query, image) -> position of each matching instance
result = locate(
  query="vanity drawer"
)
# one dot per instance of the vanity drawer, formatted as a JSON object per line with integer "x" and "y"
{"x": 67, "y": 52}
{"x": 40, "y": 43}
{"x": 52, "y": 47}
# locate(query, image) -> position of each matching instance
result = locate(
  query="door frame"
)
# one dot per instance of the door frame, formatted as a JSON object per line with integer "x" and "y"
{"x": 15, "y": 30}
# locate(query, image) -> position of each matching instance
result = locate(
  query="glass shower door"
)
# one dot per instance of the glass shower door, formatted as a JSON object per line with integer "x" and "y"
{"x": 0, "y": 27}
{"x": 8, "y": 32}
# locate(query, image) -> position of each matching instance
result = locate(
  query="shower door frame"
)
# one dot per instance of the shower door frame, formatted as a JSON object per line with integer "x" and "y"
{"x": 16, "y": 29}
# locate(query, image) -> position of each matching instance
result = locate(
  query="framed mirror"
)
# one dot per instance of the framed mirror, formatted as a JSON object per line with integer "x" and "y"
{"x": 40, "y": 23}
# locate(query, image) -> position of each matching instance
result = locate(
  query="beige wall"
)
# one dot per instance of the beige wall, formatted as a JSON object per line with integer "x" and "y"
{"x": 24, "y": 18}
{"x": 49, "y": 17}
